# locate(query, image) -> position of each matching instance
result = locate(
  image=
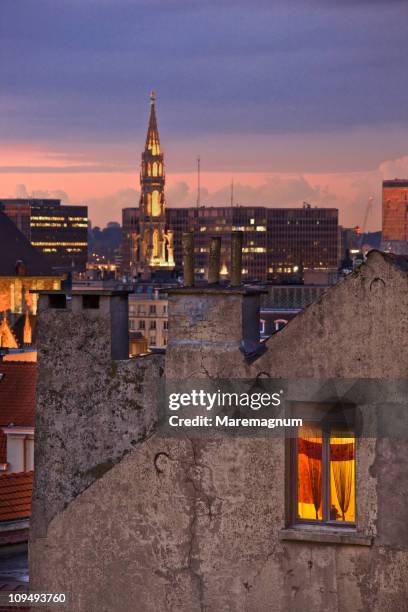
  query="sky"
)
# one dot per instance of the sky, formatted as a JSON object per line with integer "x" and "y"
{"x": 300, "y": 100}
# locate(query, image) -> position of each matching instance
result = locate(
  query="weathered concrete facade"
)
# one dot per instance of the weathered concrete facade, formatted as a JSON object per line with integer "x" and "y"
{"x": 125, "y": 519}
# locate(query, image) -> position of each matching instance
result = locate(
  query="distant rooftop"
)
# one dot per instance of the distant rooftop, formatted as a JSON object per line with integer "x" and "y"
{"x": 15, "y": 496}
{"x": 31, "y": 201}
{"x": 16, "y": 250}
{"x": 396, "y": 183}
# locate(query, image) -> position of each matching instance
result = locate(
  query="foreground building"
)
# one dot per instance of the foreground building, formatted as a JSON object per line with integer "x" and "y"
{"x": 17, "y": 405}
{"x": 125, "y": 514}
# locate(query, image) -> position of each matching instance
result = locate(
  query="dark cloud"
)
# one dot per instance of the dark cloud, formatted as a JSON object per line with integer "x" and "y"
{"x": 82, "y": 70}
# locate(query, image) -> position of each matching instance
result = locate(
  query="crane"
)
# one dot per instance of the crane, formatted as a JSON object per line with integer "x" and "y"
{"x": 366, "y": 214}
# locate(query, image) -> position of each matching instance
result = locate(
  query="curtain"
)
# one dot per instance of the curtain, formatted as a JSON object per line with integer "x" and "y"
{"x": 342, "y": 465}
{"x": 310, "y": 468}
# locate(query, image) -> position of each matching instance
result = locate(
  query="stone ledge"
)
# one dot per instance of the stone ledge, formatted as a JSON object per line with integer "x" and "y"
{"x": 324, "y": 536}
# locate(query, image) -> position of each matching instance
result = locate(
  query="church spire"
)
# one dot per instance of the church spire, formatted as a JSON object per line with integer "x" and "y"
{"x": 153, "y": 246}
{"x": 152, "y": 138}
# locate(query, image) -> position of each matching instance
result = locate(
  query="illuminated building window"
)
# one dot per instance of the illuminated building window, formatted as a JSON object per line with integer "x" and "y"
{"x": 155, "y": 204}
{"x": 156, "y": 243}
{"x": 254, "y": 250}
{"x": 155, "y": 169}
{"x": 324, "y": 479}
{"x": 252, "y": 221}
{"x": 149, "y": 204}
{"x": 47, "y": 244}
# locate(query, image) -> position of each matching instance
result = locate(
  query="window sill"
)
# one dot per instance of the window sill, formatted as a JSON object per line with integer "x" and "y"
{"x": 321, "y": 535}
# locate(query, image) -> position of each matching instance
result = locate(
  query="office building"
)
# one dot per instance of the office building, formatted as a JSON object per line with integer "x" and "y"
{"x": 58, "y": 231}
{"x": 395, "y": 216}
{"x": 278, "y": 242}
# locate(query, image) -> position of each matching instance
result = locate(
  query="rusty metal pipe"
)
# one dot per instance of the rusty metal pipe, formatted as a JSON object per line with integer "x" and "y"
{"x": 214, "y": 261}
{"x": 188, "y": 259}
{"x": 237, "y": 239}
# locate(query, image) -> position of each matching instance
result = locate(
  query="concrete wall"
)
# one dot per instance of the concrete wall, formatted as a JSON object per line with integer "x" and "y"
{"x": 192, "y": 525}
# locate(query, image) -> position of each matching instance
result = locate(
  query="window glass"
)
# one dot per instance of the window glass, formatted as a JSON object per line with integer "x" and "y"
{"x": 310, "y": 444}
{"x": 342, "y": 477}
{"x": 325, "y": 474}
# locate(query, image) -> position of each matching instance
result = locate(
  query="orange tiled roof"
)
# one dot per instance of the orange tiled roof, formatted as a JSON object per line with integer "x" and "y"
{"x": 15, "y": 496}
{"x": 17, "y": 393}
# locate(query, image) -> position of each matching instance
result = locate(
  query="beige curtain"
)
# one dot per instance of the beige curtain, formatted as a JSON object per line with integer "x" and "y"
{"x": 342, "y": 464}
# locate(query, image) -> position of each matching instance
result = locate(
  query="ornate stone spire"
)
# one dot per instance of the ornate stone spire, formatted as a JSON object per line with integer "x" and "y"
{"x": 152, "y": 138}
{"x": 153, "y": 246}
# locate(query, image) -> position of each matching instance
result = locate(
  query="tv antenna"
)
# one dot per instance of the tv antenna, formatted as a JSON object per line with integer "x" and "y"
{"x": 198, "y": 182}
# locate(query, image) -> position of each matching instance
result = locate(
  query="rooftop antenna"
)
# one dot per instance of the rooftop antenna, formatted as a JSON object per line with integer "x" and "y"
{"x": 232, "y": 192}
{"x": 198, "y": 181}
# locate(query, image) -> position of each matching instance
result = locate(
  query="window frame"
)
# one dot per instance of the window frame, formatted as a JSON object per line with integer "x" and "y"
{"x": 295, "y": 520}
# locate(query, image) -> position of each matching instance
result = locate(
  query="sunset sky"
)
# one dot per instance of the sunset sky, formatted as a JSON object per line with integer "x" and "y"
{"x": 296, "y": 100}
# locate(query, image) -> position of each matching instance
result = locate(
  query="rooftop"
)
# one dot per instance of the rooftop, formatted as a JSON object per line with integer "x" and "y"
{"x": 15, "y": 496}
{"x": 17, "y": 393}
{"x": 14, "y": 248}
{"x": 396, "y": 183}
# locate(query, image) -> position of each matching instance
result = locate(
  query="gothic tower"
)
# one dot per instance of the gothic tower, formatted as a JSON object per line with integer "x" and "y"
{"x": 153, "y": 246}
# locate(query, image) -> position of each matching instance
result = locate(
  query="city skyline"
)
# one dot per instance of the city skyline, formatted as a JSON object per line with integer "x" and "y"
{"x": 294, "y": 103}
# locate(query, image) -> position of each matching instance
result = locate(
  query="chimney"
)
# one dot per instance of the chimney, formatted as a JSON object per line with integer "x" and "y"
{"x": 211, "y": 321}
{"x": 237, "y": 239}
{"x": 95, "y": 321}
{"x": 214, "y": 261}
{"x": 188, "y": 259}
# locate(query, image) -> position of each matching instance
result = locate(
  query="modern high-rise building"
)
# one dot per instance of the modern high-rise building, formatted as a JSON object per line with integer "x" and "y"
{"x": 395, "y": 215}
{"x": 278, "y": 242}
{"x": 150, "y": 242}
{"x": 58, "y": 231}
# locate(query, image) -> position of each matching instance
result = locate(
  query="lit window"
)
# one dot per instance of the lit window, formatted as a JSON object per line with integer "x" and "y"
{"x": 155, "y": 204}
{"x": 325, "y": 475}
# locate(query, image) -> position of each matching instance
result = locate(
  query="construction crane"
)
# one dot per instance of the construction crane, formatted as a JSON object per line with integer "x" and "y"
{"x": 368, "y": 210}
